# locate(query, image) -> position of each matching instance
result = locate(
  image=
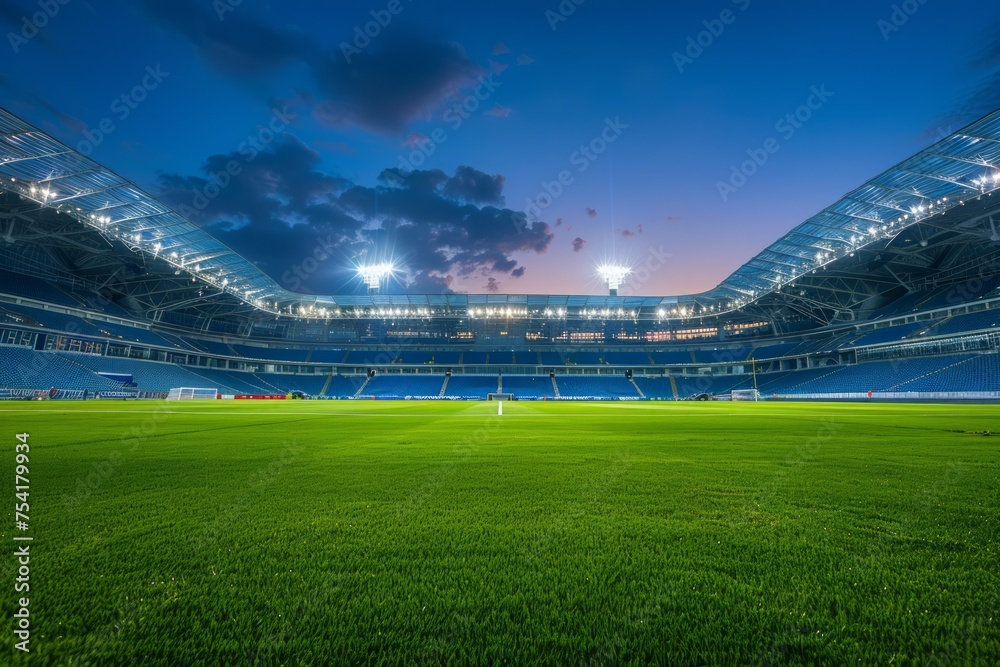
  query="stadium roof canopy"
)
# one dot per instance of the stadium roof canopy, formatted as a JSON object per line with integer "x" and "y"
{"x": 961, "y": 168}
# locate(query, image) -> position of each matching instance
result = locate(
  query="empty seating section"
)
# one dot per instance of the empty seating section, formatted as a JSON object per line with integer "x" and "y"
{"x": 471, "y": 386}
{"x": 344, "y": 386}
{"x": 874, "y": 376}
{"x": 688, "y": 386}
{"x": 33, "y": 288}
{"x": 270, "y": 354}
{"x": 672, "y": 358}
{"x": 501, "y": 358}
{"x": 552, "y": 358}
{"x": 210, "y": 346}
{"x": 48, "y": 320}
{"x": 231, "y": 382}
{"x": 392, "y": 385}
{"x": 773, "y": 351}
{"x": 721, "y": 355}
{"x": 130, "y": 334}
{"x": 327, "y": 356}
{"x": 627, "y": 358}
{"x": 986, "y": 319}
{"x": 449, "y": 358}
{"x": 893, "y": 334}
{"x": 981, "y": 372}
{"x": 309, "y": 384}
{"x": 370, "y": 357}
{"x": 474, "y": 358}
{"x": 22, "y": 368}
{"x": 148, "y": 375}
{"x": 595, "y": 387}
{"x": 528, "y": 386}
{"x": 415, "y": 357}
{"x": 583, "y": 358}
{"x": 657, "y": 387}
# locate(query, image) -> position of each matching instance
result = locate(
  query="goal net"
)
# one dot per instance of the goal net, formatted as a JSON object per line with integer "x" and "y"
{"x": 746, "y": 395}
{"x": 191, "y": 393}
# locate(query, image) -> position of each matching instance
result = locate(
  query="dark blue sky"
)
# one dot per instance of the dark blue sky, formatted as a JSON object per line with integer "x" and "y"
{"x": 372, "y": 158}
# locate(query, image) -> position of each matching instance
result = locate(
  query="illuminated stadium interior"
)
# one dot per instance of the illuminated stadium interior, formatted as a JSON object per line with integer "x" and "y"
{"x": 893, "y": 289}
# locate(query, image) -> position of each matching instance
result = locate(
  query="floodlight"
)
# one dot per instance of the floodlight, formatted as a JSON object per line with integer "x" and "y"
{"x": 374, "y": 274}
{"x": 613, "y": 275}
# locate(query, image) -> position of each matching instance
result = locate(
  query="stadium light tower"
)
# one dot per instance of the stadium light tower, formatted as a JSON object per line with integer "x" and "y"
{"x": 614, "y": 275}
{"x": 375, "y": 274}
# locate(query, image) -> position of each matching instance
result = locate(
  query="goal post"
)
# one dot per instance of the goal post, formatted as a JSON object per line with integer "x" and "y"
{"x": 746, "y": 395}
{"x": 192, "y": 393}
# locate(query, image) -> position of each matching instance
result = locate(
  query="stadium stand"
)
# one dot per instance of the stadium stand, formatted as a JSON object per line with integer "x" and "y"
{"x": 18, "y": 284}
{"x": 22, "y": 368}
{"x": 672, "y": 358}
{"x": 471, "y": 386}
{"x": 986, "y": 319}
{"x": 394, "y": 385}
{"x": 312, "y": 385}
{"x": 893, "y": 334}
{"x": 474, "y": 358}
{"x": 596, "y": 387}
{"x": 501, "y": 358}
{"x": 415, "y": 357}
{"x": 721, "y": 355}
{"x": 655, "y": 387}
{"x": 773, "y": 351}
{"x": 149, "y": 375}
{"x": 528, "y": 386}
{"x": 627, "y": 358}
{"x": 580, "y": 358}
{"x": 37, "y": 317}
{"x": 130, "y": 334}
{"x": 270, "y": 354}
{"x": 552, "y": 359}
{"x": 327, "y": 356}
{"x": 980, "y": 372}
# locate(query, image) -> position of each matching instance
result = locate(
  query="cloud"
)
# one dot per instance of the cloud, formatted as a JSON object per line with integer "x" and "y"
{"x": 282, "y": 209}
{"x": 628, "y": 233}
{"x": 401, "y": 78}
{"x": 592, "y": 212}
{"x": 524, "y": 60}
{"x": 492, "y": 285}
{"x": 559, "y": 222}
{"x": 414, "y": 139}
{"x": 498, "y": 68}
{"x": 673, "y": 218}
{"x": 578, "y": 244}
{"x": 500, "y": 49}
{"x": 499, "y": 111}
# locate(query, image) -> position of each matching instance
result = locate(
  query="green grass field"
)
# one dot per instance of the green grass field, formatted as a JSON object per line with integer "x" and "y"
{"x": 313, "y": 533}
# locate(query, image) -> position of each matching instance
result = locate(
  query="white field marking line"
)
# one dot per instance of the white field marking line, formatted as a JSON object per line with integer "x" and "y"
{"x": 536, "y": 415}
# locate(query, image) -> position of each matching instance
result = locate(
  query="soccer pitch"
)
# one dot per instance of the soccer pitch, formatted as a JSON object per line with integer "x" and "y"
{"x": 313, "y": 533}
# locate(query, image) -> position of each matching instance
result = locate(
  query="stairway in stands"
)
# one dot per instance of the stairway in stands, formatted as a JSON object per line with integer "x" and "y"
{"x": 555, "y": 387}
{"x": 444, "y": 387}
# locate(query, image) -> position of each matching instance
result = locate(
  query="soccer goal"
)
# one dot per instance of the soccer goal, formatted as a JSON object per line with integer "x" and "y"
{"x": 191, "y": 393}
{"x": 746, "y": 395}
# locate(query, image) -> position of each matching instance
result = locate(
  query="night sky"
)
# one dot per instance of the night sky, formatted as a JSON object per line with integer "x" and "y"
{"x": 499, "y": 146}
